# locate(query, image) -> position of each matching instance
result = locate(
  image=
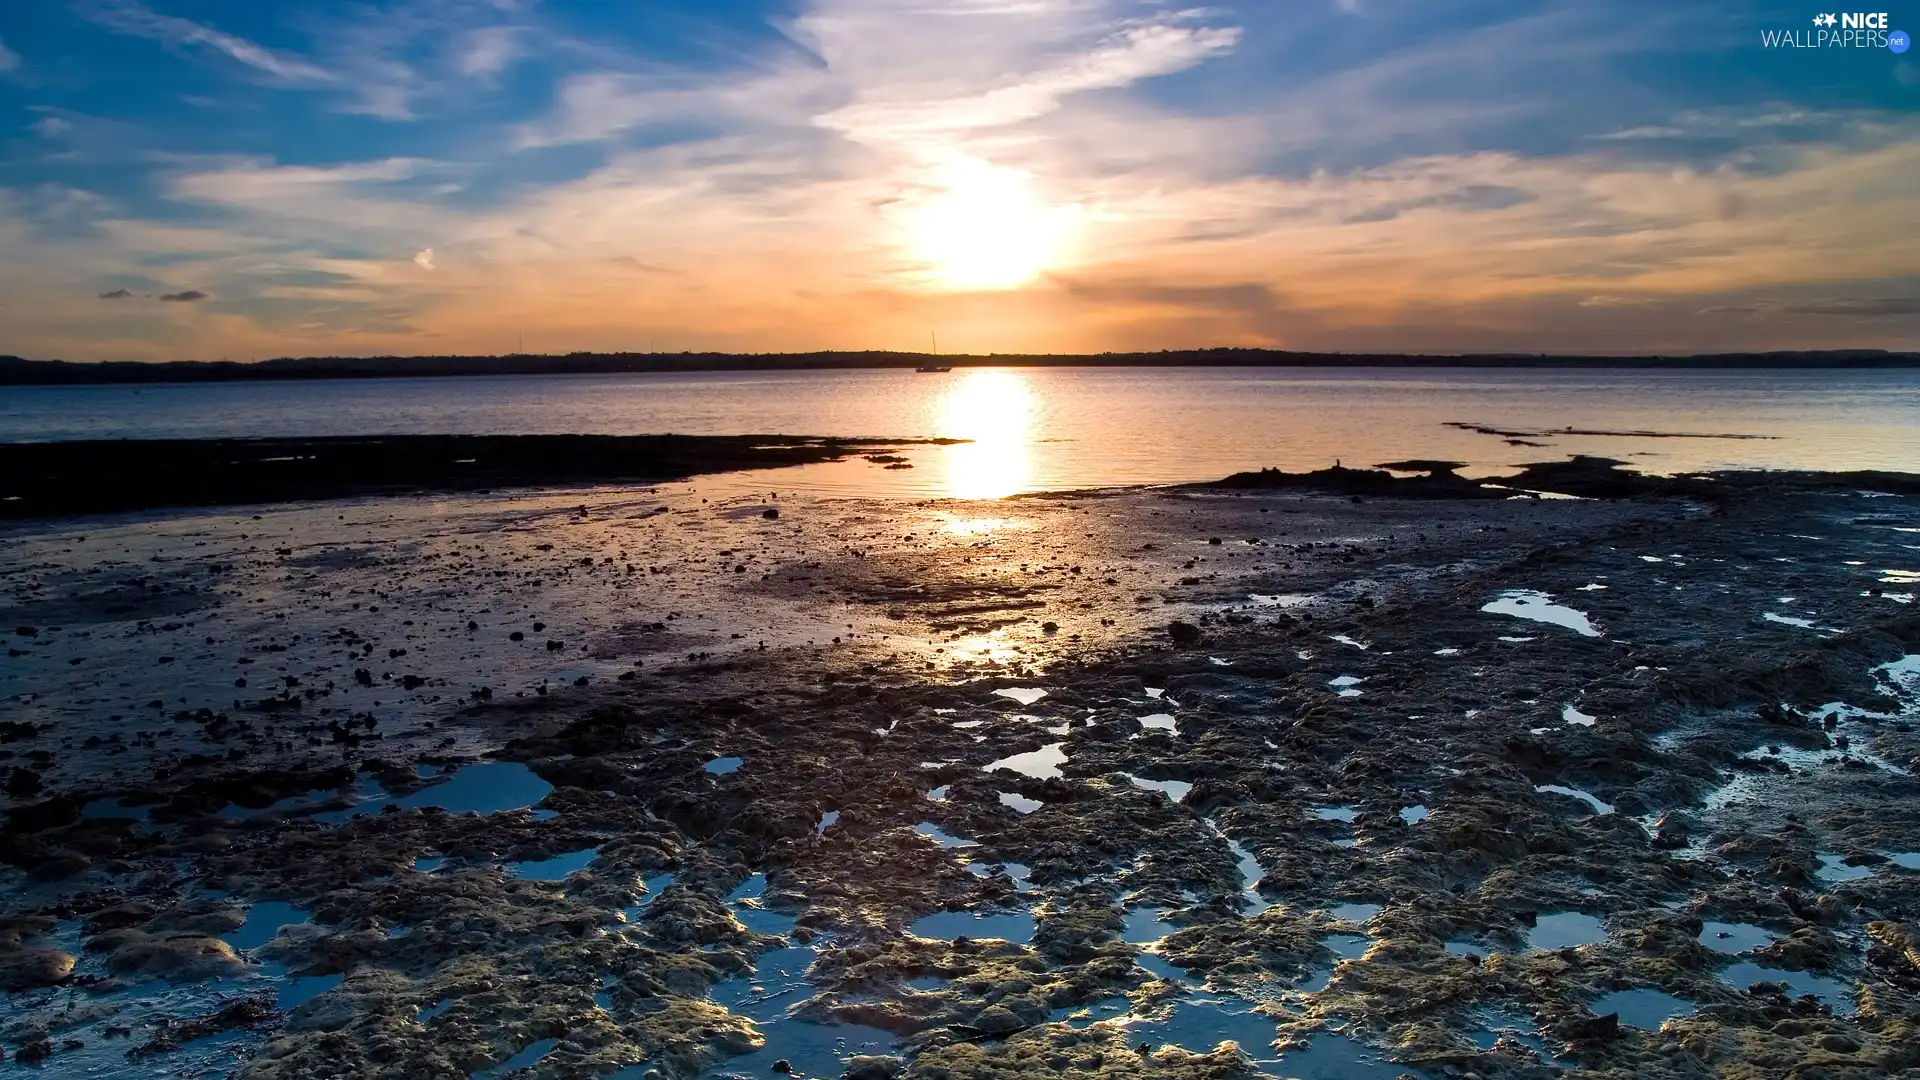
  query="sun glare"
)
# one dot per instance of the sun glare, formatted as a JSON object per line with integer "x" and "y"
{"x": 993, "y": 410}
{"x": 984, "y": 229}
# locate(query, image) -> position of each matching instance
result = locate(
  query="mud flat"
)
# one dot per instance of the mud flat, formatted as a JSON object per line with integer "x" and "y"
{"x": 39, "y": 480}
{"x": 1347, "y": 777}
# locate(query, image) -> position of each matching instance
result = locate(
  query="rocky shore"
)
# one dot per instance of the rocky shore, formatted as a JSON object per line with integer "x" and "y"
{"x": 57, "y": 479}
{"x": 1368, "y": 774}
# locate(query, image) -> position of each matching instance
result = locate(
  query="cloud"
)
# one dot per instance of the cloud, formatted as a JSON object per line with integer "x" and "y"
{"x": 188, "y": 297}
{"x": 1861, "y": 307}
{"x": 8, "y": 58}
{"x": 489, "y": 50}
{"x": 134, "y": 19}
{"x": 50, "y": 126}
{"x": 1841, "y": 306}
{"x": 117, "y": 294}
{"x": 424, "y": 259}
{"x": 1606, "y": 301}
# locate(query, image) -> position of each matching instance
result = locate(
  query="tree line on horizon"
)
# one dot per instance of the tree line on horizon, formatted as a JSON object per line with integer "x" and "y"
{"x": 17, "y": 371}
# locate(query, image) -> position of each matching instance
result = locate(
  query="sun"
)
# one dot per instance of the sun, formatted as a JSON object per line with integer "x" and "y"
{"x": 983, "y": 228}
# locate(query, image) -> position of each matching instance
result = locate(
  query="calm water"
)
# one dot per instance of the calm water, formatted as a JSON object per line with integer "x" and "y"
{"x": 1041, "y": 429}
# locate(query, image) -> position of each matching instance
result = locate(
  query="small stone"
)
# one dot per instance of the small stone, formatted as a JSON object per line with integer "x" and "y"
{"x": 783, "y": 1066}
{"x": 1183, "y": 633}
{"x": 770, "y": 513}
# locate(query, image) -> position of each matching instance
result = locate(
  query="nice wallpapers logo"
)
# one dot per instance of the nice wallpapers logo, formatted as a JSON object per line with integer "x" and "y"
{"x": 1845, "y": 30}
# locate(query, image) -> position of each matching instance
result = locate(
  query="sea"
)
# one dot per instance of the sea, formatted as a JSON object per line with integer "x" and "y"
{"x": 1044, "y": 429}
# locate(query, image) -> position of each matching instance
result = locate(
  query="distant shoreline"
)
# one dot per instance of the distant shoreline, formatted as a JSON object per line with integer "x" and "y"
{"x": 15, "y": 371}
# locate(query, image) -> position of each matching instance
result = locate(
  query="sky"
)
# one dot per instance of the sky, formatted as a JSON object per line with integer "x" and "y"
{"x": 199, "y": 179}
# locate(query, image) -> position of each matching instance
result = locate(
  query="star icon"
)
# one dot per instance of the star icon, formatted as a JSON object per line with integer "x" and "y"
{"x": 1830, "y": 19}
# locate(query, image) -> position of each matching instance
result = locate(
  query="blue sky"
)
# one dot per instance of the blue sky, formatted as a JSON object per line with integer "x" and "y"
{"x": 187, "y": 178}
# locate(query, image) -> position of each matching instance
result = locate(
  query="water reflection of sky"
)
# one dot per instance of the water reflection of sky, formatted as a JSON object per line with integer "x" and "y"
{"x": 994, "y": 411}
{"x": 1047, "y": 429}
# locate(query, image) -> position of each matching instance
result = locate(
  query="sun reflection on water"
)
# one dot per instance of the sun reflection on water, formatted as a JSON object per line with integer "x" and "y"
{"x": 994, "y": 411}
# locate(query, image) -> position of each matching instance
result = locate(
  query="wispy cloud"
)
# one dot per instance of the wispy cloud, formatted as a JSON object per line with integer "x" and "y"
{"x": 8, "y": 58}
{"x": 137, "y": 20}
{"x": 190, "y": 296}
{"x": 1200, "y": 177}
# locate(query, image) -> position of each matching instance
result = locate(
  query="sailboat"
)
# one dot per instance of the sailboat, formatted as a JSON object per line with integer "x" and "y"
{"x": 933, "y": 369}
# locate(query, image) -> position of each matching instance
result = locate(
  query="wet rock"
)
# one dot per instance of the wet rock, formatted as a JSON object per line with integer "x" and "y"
{"x": 1183, "y": 633}
{"x": 175, "y": 957}
{"x": 873, "y": 1067}
{"x": 30, "y": 969}
{"x": 23, "y": 783}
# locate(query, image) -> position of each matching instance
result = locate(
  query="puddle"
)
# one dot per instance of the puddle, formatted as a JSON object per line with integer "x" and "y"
{"x": 1250, "y": 874}
{"x": 813, "y": 1050}
{"x": 1336, "y": 813}
{"x": 428, "y": 1012}
{"x": 1330, "y": 1056}
{"x": 1467, "y": 948}
{"x": 1413, "y": 815}
{"x": 427, "y": 864}
{"x": 1143, "y": 926}
{"x": 110, "y": 809}
{"x": 745, "y": 902}
{"x": 554, "y": 869}
{"x": 1833, "y": 867}
{"x": 490, "y": 787}
{"x": 1025, "y": 695}
{"x": 939, "y": 794}
{"x": 650, "y": 890}
{"x": 1160, "y": 722}
{"x": 1172, "y": 789}
{"x": 940, "y": 836}
{"x": 1733, "y": 937}
{"x": 1041, "y": 764}
{"x": 1539, "y": 607}
{"x": 723, "y": 766}
{"x": 1279, "y": 599}
{"x": 1354, "y": 912}
{"x": 298, "y": 991}
{"x": 1201, "y": 1022}
{"x": 1346, "y": 685}
{"x": 1831, "y": 991}
{"x": 1021, "y": 873}
{"x": 1642, "y": 1008}
{"x": 1449, "y": 651}
{"x": 1907, "y": 859}
{"x": 827, "y": 821}
{"x": 753, "y": 888}
{"x": 1565, "y": 929}
{"x": 1592, "y": 802}
{"x": 1574, "y": 716}
{"x": 1496, "y": 1024}
{"x": 1015, "y": 926}
{"x": 778, "y": 982}
{"x": 1019, "y": 803}
{"x": 1162, "y": 967}
{"x": 1789, "y": 620}
{"x": 1080, "y": 1016}
{"x": 1348, "y": 946}
{"x": 1316, "y": 980}
{"x": 264, "y": 921}
{"x": 525, "y": 1059}
{"x": 1155, "y": 692}
{"x": 1345, "y": 640}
